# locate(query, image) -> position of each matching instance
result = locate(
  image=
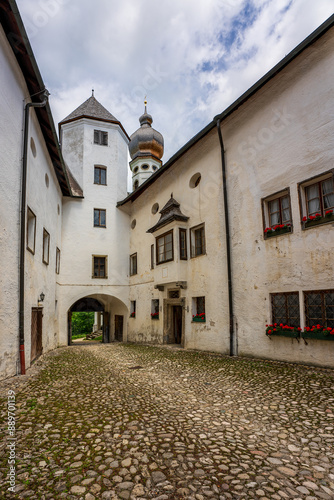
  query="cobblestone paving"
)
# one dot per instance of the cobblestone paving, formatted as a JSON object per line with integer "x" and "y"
{"x": 138, "y": 422}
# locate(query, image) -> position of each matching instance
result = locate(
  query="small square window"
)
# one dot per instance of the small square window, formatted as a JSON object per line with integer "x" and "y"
{"x": 164, "y": 248}
{"x": 277, "y": 214}
{"x": 199, "y": 309}
{"x": 285, "y": 308}
{"x": 101, "y": 137}
{"x": 99, "y": 266}
{"x": 197, "y": 240}
{"x": 319, "y": 308}
{"x": 57, "y": 260}
{"x": 133, "y": 309}
{"x": 99, "y": 217}
{"x": 46, "y": 246}
{"x": 133, "y": 264}
{"x": 183, "y": 244}
{"x": 31, "y": 230}
{"x": 100, "y": 175}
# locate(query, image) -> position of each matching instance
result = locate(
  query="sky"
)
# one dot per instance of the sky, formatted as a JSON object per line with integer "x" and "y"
{"x": 191, "y": 58}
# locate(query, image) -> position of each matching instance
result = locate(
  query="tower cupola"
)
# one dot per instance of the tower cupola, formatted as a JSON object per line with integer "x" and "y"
{"x": 146, "y": 148}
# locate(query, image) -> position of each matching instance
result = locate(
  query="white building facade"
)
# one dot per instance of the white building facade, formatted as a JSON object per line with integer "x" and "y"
{"x": 233, "y": 233}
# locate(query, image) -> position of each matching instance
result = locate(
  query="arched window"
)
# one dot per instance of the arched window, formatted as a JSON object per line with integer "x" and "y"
{"x": 136, "y": 184}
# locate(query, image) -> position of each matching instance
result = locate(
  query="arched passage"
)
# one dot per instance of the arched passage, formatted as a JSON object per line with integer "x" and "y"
{"x": 110, "y": 311}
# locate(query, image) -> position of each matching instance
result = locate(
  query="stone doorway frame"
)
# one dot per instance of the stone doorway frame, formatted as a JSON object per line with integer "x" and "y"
{"x": 168, "y": 318}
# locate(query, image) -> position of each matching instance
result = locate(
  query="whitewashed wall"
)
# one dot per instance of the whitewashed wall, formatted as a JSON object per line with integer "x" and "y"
{"x": 43, "y": 201}
{"x": 205, "y": 275}
{"x": 81, "y": 240}
{"x": 279, "y": 138}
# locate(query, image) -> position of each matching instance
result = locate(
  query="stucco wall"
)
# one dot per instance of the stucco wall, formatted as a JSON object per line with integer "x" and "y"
{"x": 205, "y": 275}
{"x": 279, "y": 138}
{"x": 43, "y": 201}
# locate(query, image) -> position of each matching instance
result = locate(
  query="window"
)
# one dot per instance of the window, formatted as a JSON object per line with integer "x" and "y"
{"x": 183, "y": 244}
{"x": 101, "y": 137}
{"x": 100, "y": 175}
{"x": 136, "y": 184}
{"x": 319, "y": 308}
{"x": 199, "y": 309}
{"x": 173, "y": 294}
{"x": 277, "y": 214}
{"x": 145, "y": 167}
{"x": 197, "y": 238}
{"x": 99, "y": 217}
{"x": 155, "y": 309}
{"x": 285, "y": 308}
{"x": 279, "y": 211}
{"x": 133, "y": 309}
{"x": 320, "y": 197}
{"x": 164, "y": 248}
{"x": 317, "y": 200}
{"x": 31, "y": 230}
{"x": 57, "y": 260}
{"x": 46, "y": 246}
{"x": 152, "y": 256}
{"x": 133, "y": 264}
{"x": 99, "y": 266}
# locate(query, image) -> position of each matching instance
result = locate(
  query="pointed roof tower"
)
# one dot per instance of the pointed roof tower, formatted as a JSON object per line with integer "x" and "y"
{"x": 94, "y": 110}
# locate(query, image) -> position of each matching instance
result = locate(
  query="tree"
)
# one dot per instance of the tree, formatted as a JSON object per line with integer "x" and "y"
{"x": 82, "y": 323}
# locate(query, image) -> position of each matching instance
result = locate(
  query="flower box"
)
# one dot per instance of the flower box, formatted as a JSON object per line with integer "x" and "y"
{"x": 199, "y": 318}
{"x": 269, "y": 232}
{"x": 154, "y": 315}
{"x": 317, "y": 335}
{"x": 283, "y": 331}
{"x": 318, "y": 332}
{"x": 133, "y": 315}
{"x": 317, "y": 220}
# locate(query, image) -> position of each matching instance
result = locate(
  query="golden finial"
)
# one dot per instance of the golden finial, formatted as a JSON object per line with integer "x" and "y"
{"x": 92, "y": 92}
{"x": 145, "y": 102}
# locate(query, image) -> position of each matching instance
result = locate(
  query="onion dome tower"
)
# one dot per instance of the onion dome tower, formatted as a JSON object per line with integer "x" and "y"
{"x": 146, "y": 148}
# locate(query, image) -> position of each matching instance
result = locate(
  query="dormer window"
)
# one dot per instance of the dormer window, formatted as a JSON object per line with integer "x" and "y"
{"x": 101, "y": 137}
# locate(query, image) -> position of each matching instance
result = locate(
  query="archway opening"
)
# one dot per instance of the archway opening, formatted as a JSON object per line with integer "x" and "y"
{"x": 87, "y": 321}
{"x": 104, "y": 314}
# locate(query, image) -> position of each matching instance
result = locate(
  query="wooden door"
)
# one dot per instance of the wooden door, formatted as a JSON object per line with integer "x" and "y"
{"x": 36, "y": 332}
{"x": 119, "y": 328}
{"x": 177, "y": 324}
{"x": 105, "y": 336}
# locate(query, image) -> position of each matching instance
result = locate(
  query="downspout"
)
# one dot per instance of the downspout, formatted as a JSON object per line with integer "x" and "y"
{"x": 228, "y": 244}
{"x": 23, "y": 222}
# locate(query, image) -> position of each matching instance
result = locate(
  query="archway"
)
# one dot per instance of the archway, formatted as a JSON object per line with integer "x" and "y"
{"x": 110, "y": 313}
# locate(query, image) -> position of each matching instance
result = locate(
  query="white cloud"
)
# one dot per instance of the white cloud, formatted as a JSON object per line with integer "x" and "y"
{"x": 192, "y": 59}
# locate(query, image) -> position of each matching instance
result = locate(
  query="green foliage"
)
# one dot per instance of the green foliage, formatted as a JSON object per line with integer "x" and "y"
{"x": 82, "y": 323}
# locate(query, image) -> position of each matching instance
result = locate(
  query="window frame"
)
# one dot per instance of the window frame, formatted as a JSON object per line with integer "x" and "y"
{"x": 34, "y": 218}
{"x": 183, "y": 256}
{"x": 100, "y": 136}
{"x": 46, "y": 237}
{"x": 198, "y": 308}
{"x": 192, "y": 232}
{"x": 105, "y": 257}
{"x": 105, "y": 217}
{"x": 133, "y": 308}
{"x": 285, "y": 295}
{"x": 157, "y": 247}
{"x": 303, "y": 202}
{"x": 152, "y": 256}
{"x": 133, "y": 264}
{"x": 279, "y": 195}
{"x": 57, "y": 260}
{"x": 99, "y": 169}
{"x": 324, "y": 319}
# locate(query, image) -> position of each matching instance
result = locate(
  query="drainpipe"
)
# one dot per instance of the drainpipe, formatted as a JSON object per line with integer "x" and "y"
{"x": 23, "y": 222}
{"x": 228, "y": 244}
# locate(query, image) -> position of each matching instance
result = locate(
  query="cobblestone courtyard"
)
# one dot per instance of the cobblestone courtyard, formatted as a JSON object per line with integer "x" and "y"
{"x": 136, "y": 422}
